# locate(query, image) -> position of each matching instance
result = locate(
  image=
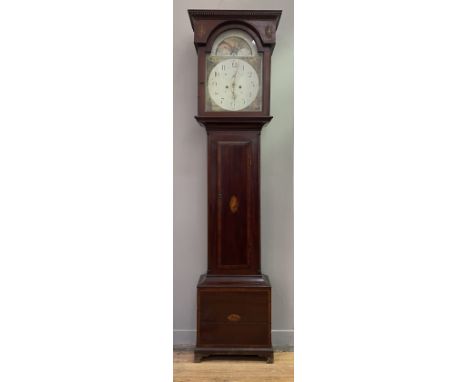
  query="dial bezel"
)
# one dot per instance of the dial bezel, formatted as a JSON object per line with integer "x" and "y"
{"x": 253, "y": 65}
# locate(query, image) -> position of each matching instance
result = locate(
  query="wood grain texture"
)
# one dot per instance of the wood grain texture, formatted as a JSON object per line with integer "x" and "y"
{"x": 233, "y": 170}
{"x": 233, "y": 178}
{"x": 252, "y": 330}
{"x": 233, "y": 369}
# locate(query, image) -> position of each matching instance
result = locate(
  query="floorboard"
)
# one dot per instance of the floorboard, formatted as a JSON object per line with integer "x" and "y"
{"x": 233, "y": 369}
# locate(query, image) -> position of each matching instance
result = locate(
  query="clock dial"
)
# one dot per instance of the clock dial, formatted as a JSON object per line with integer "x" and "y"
{"x": 233, "y": 84}
{"x": 233, "y": 79}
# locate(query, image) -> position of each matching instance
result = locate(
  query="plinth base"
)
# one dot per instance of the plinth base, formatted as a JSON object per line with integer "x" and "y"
{"x": 234, "y": 316}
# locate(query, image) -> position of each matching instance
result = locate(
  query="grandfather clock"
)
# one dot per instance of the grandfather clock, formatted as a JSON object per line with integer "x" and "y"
{"x": 234, "y": 64}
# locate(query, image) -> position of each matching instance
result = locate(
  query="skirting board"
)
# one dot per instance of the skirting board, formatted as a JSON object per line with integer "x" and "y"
{"x": 279, "y": 338}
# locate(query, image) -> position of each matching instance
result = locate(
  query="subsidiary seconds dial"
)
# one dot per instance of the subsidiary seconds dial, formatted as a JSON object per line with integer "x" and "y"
{"x": 233, "y": 84}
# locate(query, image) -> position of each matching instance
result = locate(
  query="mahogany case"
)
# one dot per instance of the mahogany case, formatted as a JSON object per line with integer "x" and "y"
{"x": 234, "y": 297}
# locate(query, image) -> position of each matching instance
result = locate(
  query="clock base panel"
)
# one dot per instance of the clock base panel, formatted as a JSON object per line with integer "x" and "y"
{"x": 234, "y": 316}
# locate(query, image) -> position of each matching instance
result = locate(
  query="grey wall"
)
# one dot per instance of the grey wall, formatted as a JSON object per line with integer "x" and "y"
{"x": 190, "y": 204}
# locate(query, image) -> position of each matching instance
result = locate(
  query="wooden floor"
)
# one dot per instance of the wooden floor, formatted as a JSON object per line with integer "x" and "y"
{"x": 233, "y": 369}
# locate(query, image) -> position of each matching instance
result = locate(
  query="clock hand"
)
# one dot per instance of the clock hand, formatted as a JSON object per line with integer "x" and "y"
{"x": 235, "y": 74}
{"x": 233, "y": 93}
{"x": 234, "y": 84}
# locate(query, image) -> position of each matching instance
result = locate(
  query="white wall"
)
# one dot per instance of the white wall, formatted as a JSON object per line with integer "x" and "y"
{"x": 190, "y": 201}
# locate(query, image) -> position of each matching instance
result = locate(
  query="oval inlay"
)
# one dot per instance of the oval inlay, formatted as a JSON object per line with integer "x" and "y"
{"x": 233, "y": 317}
{"x": 234, "y": 204}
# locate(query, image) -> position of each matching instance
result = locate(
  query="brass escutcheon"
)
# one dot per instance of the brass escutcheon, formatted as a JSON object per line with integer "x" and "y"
{"x": 233, "y": 317}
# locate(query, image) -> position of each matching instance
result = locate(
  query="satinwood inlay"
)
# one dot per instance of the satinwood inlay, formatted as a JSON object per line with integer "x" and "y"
{"x": 233, "y": 204}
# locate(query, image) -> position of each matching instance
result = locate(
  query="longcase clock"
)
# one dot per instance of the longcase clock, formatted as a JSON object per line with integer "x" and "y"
{"x": 234, "y": 51}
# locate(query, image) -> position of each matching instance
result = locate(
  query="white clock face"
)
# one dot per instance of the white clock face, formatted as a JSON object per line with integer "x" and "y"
{"x": 233, "y": 84}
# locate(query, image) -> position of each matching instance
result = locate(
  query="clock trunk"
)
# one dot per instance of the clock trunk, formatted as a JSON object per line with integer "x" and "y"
{"x": 233, "y": 202}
